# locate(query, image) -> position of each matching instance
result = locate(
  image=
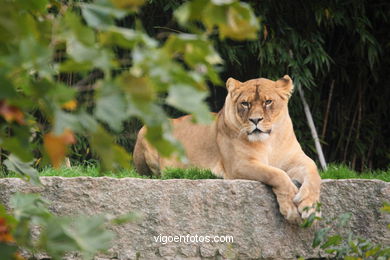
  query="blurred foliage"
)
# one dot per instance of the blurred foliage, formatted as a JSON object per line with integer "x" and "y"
{"x": 348, "y": 246}
{"x": 71, "y": 75}
{"x": 333, "y": 242}
{"x": 57, "y": 235}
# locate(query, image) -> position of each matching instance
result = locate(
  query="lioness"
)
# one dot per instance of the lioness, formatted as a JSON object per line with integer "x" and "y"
{"x": 252, "y": 138}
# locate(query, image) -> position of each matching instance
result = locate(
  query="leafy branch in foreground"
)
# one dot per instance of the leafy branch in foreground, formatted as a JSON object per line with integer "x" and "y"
{"x": 44, "y": 42}
{"x": 347, "y": 245}
{"x": 57, "y": 235}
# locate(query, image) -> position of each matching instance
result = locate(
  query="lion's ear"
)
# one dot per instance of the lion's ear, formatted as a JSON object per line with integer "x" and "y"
{"x": 285, "y": 84}
{"x": 232, "y": 84}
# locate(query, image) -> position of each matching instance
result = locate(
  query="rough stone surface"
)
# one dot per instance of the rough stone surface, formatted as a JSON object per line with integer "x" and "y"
{"x": 246, "y": 210}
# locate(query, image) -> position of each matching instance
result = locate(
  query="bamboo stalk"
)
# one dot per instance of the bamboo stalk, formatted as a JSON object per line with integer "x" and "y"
{"x": 327, "y": 110}
{"x": 312, "y": 127}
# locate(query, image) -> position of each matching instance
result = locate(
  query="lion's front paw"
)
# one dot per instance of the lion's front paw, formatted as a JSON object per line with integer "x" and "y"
{"x": 290, "y": 212}
{"x": 306, "y": 201}
{"x": 286, "y": 205}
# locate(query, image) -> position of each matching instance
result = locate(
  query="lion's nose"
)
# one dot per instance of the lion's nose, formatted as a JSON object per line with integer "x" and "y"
{"x": 255, "y": 120}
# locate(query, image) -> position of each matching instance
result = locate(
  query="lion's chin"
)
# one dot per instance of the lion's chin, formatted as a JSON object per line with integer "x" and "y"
{"x": 258, "y": 137}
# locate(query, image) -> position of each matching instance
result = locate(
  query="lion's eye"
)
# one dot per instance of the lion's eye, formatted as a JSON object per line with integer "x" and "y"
{"x": 268, "y": 102}
{"x": 245, "y": 104}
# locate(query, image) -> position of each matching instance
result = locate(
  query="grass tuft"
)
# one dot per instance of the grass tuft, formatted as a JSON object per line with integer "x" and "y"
{"x": 81, "y": 170}
{"x": 343, "y": 172}
{"x": 191, "y": 174}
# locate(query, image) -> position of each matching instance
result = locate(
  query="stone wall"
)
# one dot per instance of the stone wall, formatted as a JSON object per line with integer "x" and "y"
{"x": 246, "y": 210}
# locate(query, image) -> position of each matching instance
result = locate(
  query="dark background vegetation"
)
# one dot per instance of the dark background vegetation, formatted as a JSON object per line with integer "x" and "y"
{"x": 338, "y": 51}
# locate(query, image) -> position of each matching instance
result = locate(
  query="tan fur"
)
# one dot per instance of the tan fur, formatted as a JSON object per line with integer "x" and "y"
{"x": 230, "y": 148}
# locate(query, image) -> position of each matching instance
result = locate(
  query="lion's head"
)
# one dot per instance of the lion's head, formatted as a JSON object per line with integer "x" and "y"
{"x": 255, "y": 107}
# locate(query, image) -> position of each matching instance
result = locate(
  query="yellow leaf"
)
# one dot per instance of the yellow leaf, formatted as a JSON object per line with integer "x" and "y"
{"x": 128, "y": 4}
{"x": 141, "y": 89}
{"x": 56, "y": 146}
{"x": 70, "y": 105}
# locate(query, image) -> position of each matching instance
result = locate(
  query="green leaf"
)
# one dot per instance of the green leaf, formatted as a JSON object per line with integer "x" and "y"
{"x": 7, "y": 88}
{"x": 7, "y": 251}
{"x": 141, "y": 89}
{"x": 10, "y": 220}
{"x": 61, "y": 93}
{"x": 81, "y": 53}
{"x": 240, "y": 23}
{"x": 158, "y": 127}
{"x": 189, "y": 99}
{"x": 36, "y": 56}
{"x": 111, "y": 107}
{"x": 54, "y": 240}
{"x": 101, "y": 14}
{"x": 75, "y": 27}
{"x": 14, "y": 164}
{"x": 89, "y": 234}
{"x": 19, "y": 146}
{"x": 332, "y": 241}
{"x": 124, "y": 37}
{"x": 353, "y": 245}
{"x": 29, "y": 206}
{"x": 158, "y": 138}
{"x": 112, "y": 155}
{"x": 222, "y": 2}
{"x": 87, "y": 122}
{"x": 386, "y": 207}
{"x": 64, "y": 120}
{"x": 198, "y": 53}
{"x": 190, "y": 11}
{"x": 234, "y": 19}
{"x": 36, "y": 5}
{"x": 85, "y": 234}
{"x": 372, "y": 251}
{"x": 71, "y": 65}
{"x": 310, "y": 220}
{"x": 320, "y": 236}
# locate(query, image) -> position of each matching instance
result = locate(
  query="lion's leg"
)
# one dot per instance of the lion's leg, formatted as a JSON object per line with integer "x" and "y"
{"x": 309, "y": 193}
{"x": 139, "y": 155}
{"x": 145, "y": 157}
{"x": 283, "y": 187}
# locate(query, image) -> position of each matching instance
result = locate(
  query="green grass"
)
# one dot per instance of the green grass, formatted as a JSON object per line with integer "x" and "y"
{"x": 76, "y": 171}
{"x": 192, "y": 174}
{"x": 343, "y": 172}
{"x": 333, "y": 172}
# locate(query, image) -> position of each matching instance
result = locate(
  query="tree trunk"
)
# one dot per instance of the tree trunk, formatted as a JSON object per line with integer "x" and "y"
{"x": 312, "y": 128}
